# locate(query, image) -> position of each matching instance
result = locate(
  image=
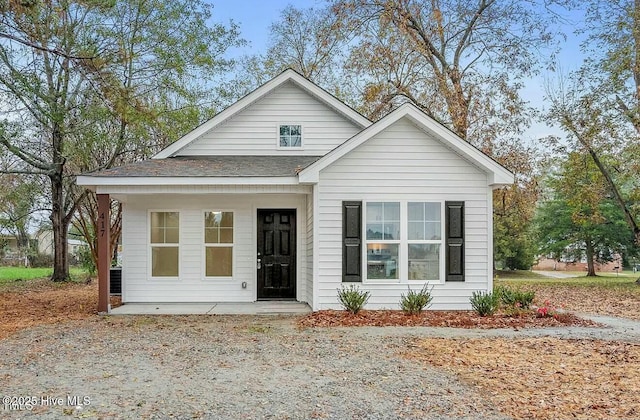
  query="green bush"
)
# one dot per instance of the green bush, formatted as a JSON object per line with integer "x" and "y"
{"x": 484, "y": 303}
{"x": 414, "y": 302}
{"x": 352, "y": 299}
{"x": 515, "y": 298}
{"x": 40, "y": 260}
{"x": 86, "y": 260}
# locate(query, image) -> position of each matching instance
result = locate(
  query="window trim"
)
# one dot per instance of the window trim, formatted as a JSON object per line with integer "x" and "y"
{"x": 403, "y": 244}
{"x": 151, "y": 245}
{"x": 206, "y": 245}
{"x": 278, "y": 146}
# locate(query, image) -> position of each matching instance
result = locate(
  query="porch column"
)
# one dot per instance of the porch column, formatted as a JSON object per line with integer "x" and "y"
{"x": 104, "y": 252}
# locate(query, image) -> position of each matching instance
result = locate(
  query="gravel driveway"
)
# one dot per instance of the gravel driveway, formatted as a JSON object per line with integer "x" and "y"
{"x": 227, "y": 367}
{"x": 243, "y": 367}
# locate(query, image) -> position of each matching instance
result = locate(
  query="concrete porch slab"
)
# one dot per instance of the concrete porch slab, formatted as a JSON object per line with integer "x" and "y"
{"x": 248, "y": 308}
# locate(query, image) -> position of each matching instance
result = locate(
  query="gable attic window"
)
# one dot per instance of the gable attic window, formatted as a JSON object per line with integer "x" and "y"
{"x": 290, "y": 136}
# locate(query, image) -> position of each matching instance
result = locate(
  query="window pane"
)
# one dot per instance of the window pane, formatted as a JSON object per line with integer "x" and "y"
{"x": 374, "y": 231}
{"x": 227, "y": 219}
{"x": 171, "y": 236}
{"x": 211, "y": 236}
{"x": 290, "y": 135}
{"x": 416, "y": 211}
{"x": 392, "y": 212}
{"x": 157, "y": 219}
{"x": 374, "y": 212}
{"x": 432, "y": 231}
{"x": 432, "y": 211}
{"x": 424, "y": 262}
{"x": 416, "y": 231}
{"x": 157, "y": 235}
{"x": 391, "y": 231}
{"x": 382, "y": 261}
{"x": 219, "y": 261}
{"x": 172, "y": 219}
{"x": 212, "y": 218}
{"x": 164, "y": 261}
{"x": 226, "y": 235}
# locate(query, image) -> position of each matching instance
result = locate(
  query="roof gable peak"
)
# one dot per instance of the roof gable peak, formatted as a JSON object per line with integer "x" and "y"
{"x": 286, "y": 76}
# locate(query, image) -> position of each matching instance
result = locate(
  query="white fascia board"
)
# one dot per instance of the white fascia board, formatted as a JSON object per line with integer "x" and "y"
{"x": 92, "y": 182}
{"x": 263, "y": 90}
{"x": 498, "y": 175}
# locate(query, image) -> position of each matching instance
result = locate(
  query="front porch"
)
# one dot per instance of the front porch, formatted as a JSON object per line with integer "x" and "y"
{"x": 214, "y": 308}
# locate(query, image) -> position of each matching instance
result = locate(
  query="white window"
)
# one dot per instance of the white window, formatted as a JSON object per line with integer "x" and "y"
{"x": 383, "y": 240}
{"x": 403, "y": 241}
{"x": 424, "y": 240}
{"x": 218, "y": 243}
{"x": 290, "y": 136}
{"x": 164, "y": 240}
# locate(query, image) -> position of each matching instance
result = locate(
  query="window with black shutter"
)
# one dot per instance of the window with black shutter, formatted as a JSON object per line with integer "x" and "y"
{"x": 352, "y": 241}
{"x": 454, "y": 226}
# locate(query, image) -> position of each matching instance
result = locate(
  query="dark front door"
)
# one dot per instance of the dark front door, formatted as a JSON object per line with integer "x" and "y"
{"x": 276, "y": 254}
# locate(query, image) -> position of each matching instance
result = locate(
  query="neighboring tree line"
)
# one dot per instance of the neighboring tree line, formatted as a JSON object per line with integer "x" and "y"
{"x": 92, "y": 84}
{"x": 85, "y": 85}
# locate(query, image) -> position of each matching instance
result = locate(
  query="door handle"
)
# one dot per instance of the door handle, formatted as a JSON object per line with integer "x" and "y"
{"x": 259, "y": 265}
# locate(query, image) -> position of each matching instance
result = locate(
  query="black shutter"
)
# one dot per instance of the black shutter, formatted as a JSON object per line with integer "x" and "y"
{"x": 352, "y": 241}
{"x": 454, "y": 226}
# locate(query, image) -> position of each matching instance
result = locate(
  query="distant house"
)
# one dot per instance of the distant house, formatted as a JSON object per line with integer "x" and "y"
{"x": 8, "y": 243}
{"x": 45, "y": 243}
{"x": 563, "y": 264}
{"x": 289, "y": 194}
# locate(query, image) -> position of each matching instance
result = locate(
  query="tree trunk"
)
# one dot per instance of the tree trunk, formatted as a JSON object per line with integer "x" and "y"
{"x": 60, "y": 231}
{"x": 591, "y": 269}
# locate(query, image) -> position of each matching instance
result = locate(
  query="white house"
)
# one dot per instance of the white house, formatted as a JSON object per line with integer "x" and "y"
{"x": 289, "y": 194}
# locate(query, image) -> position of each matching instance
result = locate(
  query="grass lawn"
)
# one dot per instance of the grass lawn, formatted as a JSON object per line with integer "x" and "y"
{"x": 606, "y": 294}
{"x": 19, "y": 274}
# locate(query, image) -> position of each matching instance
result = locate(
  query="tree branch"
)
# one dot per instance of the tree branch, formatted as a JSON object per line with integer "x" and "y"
{"x": 44, "y": 49}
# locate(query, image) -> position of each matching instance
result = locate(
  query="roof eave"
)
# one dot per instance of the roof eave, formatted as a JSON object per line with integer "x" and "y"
{"x": 92, "y": 182}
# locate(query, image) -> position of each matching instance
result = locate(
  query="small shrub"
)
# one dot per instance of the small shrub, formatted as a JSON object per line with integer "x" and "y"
{"x": 86, "y": 260}
{"x": 484, "y": 303}
{"x": 547, "y": 310}
{"x": 414, "y": 302}
{"x": 352, "y": 299}
{"x": 40, "y": 260}
{"x": 516, "y": 299}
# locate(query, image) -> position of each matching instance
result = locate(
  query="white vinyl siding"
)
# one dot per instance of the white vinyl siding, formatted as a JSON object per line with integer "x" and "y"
{"x": 192, "y": 284}
{"x": 252, "y": 131}
{"x": 403, "y": 164}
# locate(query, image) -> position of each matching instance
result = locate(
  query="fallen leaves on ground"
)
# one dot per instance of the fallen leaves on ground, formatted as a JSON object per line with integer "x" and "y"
{"x": 594, "y": 300}
{"x": 457, "y": 319}
{"x": 43, "y": 302}
{"x": 544, "y": 378}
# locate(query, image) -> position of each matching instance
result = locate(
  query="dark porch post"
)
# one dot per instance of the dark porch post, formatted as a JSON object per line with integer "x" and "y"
{"x": 104, "y": 252}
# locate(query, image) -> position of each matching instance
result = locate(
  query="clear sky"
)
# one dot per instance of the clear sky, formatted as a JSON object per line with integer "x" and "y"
{"x": 256, "y": 16}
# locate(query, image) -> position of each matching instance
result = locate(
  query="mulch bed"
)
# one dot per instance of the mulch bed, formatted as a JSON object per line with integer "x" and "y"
{"x": 456, "y": 319}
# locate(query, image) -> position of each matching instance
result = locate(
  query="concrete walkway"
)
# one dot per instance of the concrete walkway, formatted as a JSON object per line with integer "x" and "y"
{"x": 250, "y": 308}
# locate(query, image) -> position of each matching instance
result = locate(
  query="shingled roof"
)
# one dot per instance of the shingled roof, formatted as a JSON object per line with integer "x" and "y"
{"x": 212, "y": 166}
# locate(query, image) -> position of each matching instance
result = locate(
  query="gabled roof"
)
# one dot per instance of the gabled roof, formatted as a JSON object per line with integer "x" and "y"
{"x": 284, "y": 77}
{"x": 498, "y": 174}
